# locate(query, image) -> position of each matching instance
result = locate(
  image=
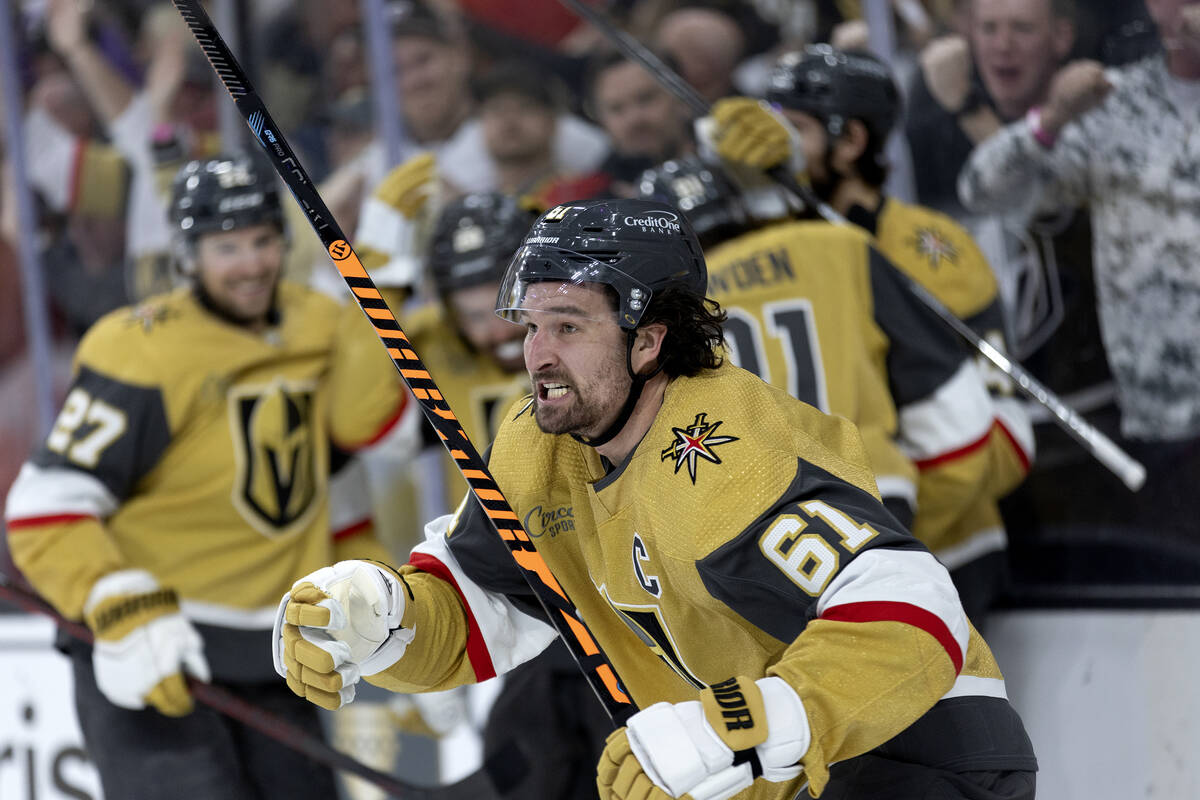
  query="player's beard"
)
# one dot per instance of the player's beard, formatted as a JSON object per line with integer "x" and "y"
{"x": 236, "y": 316}
{"x": 592, "y": 404}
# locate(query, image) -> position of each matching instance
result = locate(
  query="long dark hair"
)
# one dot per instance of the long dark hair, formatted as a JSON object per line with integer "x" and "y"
{"x": 694, "y": 335}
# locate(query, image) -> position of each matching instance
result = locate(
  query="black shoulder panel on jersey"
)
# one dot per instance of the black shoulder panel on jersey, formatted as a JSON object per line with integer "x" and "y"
{"x": 107, "y": 428}
{"x": 923, "y": 351}
{"x": 741, "y": 575}
{"x": 900, "y": 509}
{"x": 485, "y": 559}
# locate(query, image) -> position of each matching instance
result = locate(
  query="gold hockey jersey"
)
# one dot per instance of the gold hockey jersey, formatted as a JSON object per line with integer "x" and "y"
{"x": 743, "y": 536}
{"x": 199, "y": 451}
{"x": 940, "y": 254}
{"x": 815, "y": 309}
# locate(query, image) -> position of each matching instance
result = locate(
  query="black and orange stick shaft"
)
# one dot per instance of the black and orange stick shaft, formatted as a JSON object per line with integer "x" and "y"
{"x": 559, "y": 608}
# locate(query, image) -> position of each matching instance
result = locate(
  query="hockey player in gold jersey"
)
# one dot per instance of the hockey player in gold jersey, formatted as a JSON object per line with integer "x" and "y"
{"x": 724, "y": 543}
{"x": 843, "y": 106}
{"x": 191, "y": 476}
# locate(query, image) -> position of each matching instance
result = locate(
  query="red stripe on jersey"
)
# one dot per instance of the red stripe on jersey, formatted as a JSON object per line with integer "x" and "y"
{"x": 890, "y": 611}
{"x": 351, "y": 529}
{"x": 481, "y": 659}
{"x": 951, "y": 455}
{"x": 51, "y": 519}
{"x": 1016, "y": 445}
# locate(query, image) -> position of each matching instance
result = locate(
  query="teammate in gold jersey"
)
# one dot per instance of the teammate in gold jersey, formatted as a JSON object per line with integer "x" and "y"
{"x": 843, "y": 106}
{"x": 726, "y": 547}
{"x": 191, "y": 476}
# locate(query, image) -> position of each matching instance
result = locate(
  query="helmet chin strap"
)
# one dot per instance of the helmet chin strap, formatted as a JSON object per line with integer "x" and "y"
{"x": 635, "y": 392}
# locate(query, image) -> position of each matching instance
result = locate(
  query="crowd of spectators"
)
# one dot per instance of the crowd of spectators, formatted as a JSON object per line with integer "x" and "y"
{"x": 1024, "y": 120}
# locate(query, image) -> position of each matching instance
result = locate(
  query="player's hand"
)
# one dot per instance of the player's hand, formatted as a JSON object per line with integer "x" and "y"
{"x": 336, "y": 625}
{"x": 946, "y": 68}
{"x": 1075, "y": 89}
{"x": 669, "y": 750}
{"x": 408, "y": 187}
{"x": 748, "y": 132}
{"x": 143, "y": 644}
{"x": 397, "y": 221}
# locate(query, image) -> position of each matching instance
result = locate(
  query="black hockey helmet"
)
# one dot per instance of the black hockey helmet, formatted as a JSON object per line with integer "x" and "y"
{"x": 637, "y": 247}
{"x": 835, "y": 86}
{"x": 474, "y": 238}
{"x": 222, "y": 194}
{"x": 706, "y": 196}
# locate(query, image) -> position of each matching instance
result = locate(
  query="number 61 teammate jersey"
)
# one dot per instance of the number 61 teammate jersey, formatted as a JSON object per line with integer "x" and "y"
{"x": 742, "y": 536}
{"x": 194, "y": 449}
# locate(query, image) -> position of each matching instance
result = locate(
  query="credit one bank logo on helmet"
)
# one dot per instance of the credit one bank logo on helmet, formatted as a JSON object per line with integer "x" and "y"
{"x": 657, "y": 221}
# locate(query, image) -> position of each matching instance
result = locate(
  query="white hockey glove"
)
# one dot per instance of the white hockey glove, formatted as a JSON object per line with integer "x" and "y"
{"x": 143, "y": 644}
{"x": 397, "y": 221}
{"x": 336, "y": 625}
{"x": 709, "y": 749}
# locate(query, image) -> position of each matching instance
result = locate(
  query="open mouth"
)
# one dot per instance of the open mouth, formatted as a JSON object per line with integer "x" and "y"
{"x": 552, "y": 391}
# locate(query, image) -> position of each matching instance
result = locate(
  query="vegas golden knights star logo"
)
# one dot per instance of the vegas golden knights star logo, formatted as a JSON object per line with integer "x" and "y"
{"x": 277, "y": 478}
{"x": 934, "y": 247}
{"x": 695, "y": 441}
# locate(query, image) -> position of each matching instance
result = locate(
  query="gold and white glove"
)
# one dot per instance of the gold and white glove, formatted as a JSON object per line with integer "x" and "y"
{"x": 143, "y": 644}
{"x": 336, "y": 625}
{"x": 397, "y": 221}
{"x": 748, "y": 137}
{"x": 708, "y": 749}
{"x": 751, "y": 133}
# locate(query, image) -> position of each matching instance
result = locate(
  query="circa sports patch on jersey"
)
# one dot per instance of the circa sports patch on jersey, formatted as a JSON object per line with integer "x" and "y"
{"x": 934, "y": 247}
{"x": 694, "y": 442}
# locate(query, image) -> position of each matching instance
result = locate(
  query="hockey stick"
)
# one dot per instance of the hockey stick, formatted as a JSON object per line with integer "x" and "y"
{"x": 1104, "y": 449}
{"x": 559, "y": 609}
{"x": 476, "y": 786}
